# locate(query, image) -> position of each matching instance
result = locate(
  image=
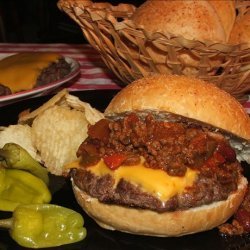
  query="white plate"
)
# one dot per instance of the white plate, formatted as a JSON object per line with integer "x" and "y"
{"x": 42, "y": 90}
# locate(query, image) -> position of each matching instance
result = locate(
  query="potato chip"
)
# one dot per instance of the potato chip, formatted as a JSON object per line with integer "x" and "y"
{"x": 63, "y": 98}
{"x": 92, "y": 115}
{"x": 59, "y": 126}
{"x": 21, "y": 135}
{"x": 57, "y": 134}
{"x": 27, "y": 117}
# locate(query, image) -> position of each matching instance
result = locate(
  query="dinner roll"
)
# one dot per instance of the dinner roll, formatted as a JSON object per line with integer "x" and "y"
{"x": 194, "y": 20}
{"x": 227, "y": 13}
{"x": 199, "y": 20}
{"x": 241, "y": 30}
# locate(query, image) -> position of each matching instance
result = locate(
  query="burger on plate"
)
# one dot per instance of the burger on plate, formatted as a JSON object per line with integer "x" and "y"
{"x": 165, "y": 161}
{"x": 27, "y": 70}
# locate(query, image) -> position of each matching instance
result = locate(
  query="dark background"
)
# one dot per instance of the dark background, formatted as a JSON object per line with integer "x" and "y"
{"x": 39, "y": 21}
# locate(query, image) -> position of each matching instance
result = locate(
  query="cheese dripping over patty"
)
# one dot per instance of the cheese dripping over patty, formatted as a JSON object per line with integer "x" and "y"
{"x": 153, "y": 181}
{"x": 20, "y": 71}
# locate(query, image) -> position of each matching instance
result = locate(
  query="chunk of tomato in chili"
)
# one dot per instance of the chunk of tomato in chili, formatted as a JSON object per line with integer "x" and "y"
{"x": 115, "y": 160}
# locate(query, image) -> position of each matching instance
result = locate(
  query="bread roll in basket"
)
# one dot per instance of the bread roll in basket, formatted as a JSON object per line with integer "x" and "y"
{"x": 188, "y": 37}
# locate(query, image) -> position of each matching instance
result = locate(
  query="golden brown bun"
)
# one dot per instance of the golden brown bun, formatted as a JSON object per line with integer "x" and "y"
{"x": 192, "y": 19}
{"x": 241, "y": 30}
{"x": 185, "y": 96}
{"x": 166, "y": 224}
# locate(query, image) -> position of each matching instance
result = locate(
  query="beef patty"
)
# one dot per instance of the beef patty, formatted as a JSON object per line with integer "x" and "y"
{"x": 54, "y": 72}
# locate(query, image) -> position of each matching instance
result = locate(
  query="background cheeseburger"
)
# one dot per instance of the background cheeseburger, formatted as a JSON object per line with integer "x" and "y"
{"x": 163, "y": 162}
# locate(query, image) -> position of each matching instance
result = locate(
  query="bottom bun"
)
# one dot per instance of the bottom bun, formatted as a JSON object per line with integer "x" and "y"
{"x": 168, "y": 224}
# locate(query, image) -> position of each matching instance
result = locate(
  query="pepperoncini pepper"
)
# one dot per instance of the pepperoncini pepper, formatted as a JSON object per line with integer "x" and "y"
{"x": 21, "y": 187}
{"x": 44, "y": 225}
{"x": 14, "y": 156}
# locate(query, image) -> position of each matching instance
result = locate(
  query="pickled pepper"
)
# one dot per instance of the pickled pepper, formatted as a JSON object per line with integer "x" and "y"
{"x": 14, "y": 156}
{"x": 21, "y": 187}
{"x": 44, "y": 225}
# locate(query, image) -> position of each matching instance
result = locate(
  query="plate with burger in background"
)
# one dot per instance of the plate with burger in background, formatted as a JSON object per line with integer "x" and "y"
{"x": 34, "y": 73}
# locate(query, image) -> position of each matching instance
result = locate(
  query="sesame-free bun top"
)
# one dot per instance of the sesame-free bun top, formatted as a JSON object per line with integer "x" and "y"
{"x": 184, "y": 96}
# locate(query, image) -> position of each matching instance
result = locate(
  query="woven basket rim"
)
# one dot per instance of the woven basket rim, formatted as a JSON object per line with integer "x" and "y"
{"x": 110, "y": 12}
{"x": 106, "y": 29}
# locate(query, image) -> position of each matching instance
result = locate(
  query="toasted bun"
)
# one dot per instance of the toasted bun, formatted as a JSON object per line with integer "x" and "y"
{"x": 146, "y": 222}
{"x": 192, "y": 19}
{"x": 185, "y": 96}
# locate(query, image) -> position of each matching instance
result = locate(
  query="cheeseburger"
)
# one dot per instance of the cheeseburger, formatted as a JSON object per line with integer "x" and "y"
{"x": 165, "y": 160}
{"x": 25, "y": 71}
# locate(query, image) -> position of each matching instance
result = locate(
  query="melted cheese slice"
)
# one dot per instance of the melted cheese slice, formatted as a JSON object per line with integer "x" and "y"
{"x": 154, "y": 181}
{"x": 20, "y": 71}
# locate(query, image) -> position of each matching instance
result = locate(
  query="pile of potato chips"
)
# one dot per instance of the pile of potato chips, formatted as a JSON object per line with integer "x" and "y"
{"x": 53, "y": 132}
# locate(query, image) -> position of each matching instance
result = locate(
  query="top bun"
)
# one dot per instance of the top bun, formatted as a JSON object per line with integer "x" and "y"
{"x": 194, "y": 20}
{"x": 185, "y": 96}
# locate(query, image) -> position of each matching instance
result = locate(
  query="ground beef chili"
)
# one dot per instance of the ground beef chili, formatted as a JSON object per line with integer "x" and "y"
{"x": 241, "y": 220}
{"x": 172, "y": 146}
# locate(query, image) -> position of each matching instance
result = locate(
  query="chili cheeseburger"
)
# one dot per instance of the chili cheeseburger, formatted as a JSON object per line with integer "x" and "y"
{"x": 165, "y": 160}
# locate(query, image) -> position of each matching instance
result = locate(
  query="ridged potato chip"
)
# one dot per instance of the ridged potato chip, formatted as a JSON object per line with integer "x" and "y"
{"x": 64, "y": 99}
{"x": 57, "y": 134}
{"x": 58, "y": 128}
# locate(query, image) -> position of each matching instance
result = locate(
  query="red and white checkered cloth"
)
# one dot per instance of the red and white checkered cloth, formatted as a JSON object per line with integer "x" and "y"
{"x": 93, "y": 72}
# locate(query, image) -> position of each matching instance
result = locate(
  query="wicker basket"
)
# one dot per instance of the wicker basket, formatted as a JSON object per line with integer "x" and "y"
{"x": 131, "y": 52}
